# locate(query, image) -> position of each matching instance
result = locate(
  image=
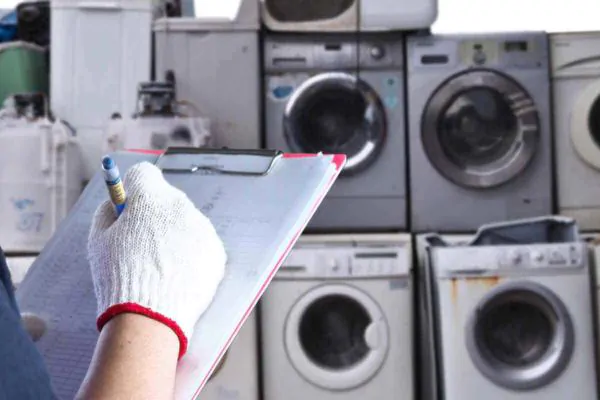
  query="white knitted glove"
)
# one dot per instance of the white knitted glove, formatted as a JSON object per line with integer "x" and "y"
{"x": 161, "y": 258}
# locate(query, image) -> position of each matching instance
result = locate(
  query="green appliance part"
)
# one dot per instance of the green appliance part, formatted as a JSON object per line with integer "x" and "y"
{"x": 23, "y": 69}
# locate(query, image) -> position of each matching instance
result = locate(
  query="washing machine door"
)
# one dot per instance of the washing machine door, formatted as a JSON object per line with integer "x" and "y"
{"x": 336, "y": 337}
{"x": 520, "y": 336}
{"x": 585, "y": 125}
{"x": 480, "y": 129}
{"x": 336, "y": 113}
{"x": 306, "y": 11}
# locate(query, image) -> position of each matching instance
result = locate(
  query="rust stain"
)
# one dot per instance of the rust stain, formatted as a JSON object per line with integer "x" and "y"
{"x": 454, "y": 290}
{"x": 487, "y": 281}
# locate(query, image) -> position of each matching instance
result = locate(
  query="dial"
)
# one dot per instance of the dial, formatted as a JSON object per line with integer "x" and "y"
{"x": 377, "y": 52}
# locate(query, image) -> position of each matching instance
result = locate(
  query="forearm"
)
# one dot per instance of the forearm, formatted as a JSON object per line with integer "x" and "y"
{"x": 135, "y": 358}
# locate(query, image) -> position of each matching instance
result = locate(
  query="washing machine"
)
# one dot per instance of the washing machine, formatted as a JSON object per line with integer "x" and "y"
{"x": 593, "y": 241}
{"x": 479, "y": 129}
{"x": 337, "y": 320}
{"x": 236, "y": 377}
{"x": 335, "y": 94}
{"x": 348, "y": 15}
{"x": 576, "y": 97}
{"x": 511, "y": 313}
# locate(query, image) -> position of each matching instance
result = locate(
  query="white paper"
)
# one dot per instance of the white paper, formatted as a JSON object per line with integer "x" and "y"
{"x": 257, "y": 218}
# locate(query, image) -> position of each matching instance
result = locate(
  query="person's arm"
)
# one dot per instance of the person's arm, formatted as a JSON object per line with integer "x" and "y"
{"x": 135, "y": 358}
{"x": 156, "y": 268}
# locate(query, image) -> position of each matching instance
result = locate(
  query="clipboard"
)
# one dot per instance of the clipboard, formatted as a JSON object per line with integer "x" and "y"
{"x": 226, "y": 185}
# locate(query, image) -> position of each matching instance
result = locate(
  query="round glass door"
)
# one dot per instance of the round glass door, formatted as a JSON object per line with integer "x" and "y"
{"x": 585, "y": 125}
{"x": 520, "y": 336}
{"x": 480, "y": 129}
{"x": 306, "y": 11}
{"x": 336, "y": 337}
{"x": 336, "y": 113}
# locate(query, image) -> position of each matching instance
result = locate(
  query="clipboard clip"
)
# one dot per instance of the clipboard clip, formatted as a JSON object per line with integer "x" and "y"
{"x": 190, "y": 160}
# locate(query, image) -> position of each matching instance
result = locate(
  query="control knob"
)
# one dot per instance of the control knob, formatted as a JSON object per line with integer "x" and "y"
{"x": 377, "y": 52}
{"x": 516, "y": 258}
{"x": 537, "y": 256}
{"x": 333, "y": 265}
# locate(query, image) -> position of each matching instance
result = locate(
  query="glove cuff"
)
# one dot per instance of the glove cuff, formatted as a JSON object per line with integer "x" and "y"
{"x": 135, "y": 308}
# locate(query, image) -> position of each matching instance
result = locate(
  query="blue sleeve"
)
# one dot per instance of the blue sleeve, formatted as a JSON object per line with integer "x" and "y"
{"x": 22, "y": 371}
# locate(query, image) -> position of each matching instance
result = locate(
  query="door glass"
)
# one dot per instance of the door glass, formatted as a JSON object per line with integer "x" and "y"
{"x": 332, "y": 120}
{"x": 332, "y": 332}
{"x": 594, "y": 121}
{"x": 515, "y": 333}
{"x": 477, "y": 128}
{"x": 306, "y": 10}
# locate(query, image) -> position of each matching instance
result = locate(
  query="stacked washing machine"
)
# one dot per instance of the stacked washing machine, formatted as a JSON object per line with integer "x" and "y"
{"x": 576, "y": 89}
{"x": 504, "y": 308}
{"x": 214, "y": 65}
{"x": 479, "y": 130}
{"x": 337, "y": 319}
{"x": 507, "y": 312}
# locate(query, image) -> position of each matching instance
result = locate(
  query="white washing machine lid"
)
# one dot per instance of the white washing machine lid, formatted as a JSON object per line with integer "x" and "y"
{"x": 584, "y": 142}
{"x": 344, "y": 368}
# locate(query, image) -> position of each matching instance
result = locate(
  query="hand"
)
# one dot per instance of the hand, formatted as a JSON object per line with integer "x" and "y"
{"x": 161, "y": 258}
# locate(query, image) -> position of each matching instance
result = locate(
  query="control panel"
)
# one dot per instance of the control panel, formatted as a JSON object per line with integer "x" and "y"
{"x": 507, "y": 260}
{"x": 345, "y": 262}
{"x": 500, "y": 51}
{"x": 333, "y": 52}
{"x": 326, "y": 55}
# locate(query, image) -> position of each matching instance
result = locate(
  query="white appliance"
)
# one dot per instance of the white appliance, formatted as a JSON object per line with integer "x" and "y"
{"x": 216, "y": 66}
{"x": 510, "y": 313}
{"x": 336, "y": 320}
{"x": 100, "y": 53}
{"x": 479, "y": 129}
{"x": 236, "y": 377}
{"x": 576, "y": 89}
{"x": 593, "y": 240}
{"x": 160, "y": 121}
{"x": 315, "y": 101}
{"x": 348, "y": 15}
{"x": 40, "y": 174}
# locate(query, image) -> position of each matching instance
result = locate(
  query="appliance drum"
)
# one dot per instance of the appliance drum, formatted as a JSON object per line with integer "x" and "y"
{"x": 520, "y": 336}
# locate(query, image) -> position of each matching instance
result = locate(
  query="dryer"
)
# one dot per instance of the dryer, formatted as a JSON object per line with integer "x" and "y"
{"x": 511, "y": 313}
{"x": 479, "y": 129}
{"x": 576, "y": 90}
{"x": 348, "y": 15}
{"x": 333, "y": 94}
{"x": 337, "y": 320}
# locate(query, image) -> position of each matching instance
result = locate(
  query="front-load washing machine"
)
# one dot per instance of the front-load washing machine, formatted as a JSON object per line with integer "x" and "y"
{"x": 337, "y": 320}
{"x": 593, "y": 241}
{"x": 236, "y": 377}
{"x": 479, "y": 129}
{"x": 348, "y": 15}
{"x": 333, "y": 94}
{"x": 511, "y": 313}
{"x": 576, "y": 97}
